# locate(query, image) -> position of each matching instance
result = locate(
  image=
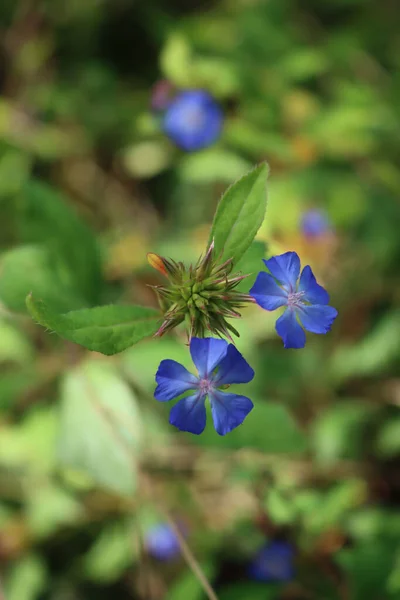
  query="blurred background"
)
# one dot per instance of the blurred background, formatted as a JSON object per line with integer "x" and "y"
{"x": 299, "y": 503}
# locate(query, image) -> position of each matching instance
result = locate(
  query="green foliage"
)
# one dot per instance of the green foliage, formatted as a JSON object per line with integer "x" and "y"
{"x": 250, "y": 591}
{"x": 111, "y": 554}
{"x": 240, "y": 214}
{"x": 189, "y": 586}
{"x": 49, "y": 509}
{"x": 388, "y": 440}
{"x": 27, "y": 579}
{"x": 89, "y": 184}
{"x": 105, "y": 329}
{"x": 339, "y": 432}
{"x": 46, "y": 218}
{"x": 367, "y": 568}
{"x": 211, "y": 165}
{"x": 14, "y": 346}
{"x": 380, "y": 347}
{"x": 250, "y": 264}
{"x": 34, "y": 269}
{"x": 270, "y": 428}
{"x": 100, "y": 427}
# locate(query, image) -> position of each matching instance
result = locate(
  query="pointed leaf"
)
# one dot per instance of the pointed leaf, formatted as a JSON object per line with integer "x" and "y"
{"x": 240, "y": 214}
{"x": 250, "y": 264}
{"x": 106, "y": 329}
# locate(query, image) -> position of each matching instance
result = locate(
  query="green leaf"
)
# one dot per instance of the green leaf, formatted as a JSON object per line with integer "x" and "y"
{"x": 176, "y": 60}
{"x": 250, "y": 591}
{"x": 373, "y": 354}
{"x": 213, "y": 164}
{"x": 33, "y": 269}
{"x": 14, "y": 346}
{"x": 111, "y": 554}
{"x": 339, "y": 431}
{"x": 27, "y": 578}
{"x": 372, "y": 523}
{"x": 367, "y": 568}
{"x": 251, "y": 264}
{"x": 147, "y": 158}
{"x": 388, "y": 441}
{"x": 240, "y": 214}
{"x": 49, "y": 508}
{"x": 279, "y": 507}
{"x": 269, "y": 428}
{"x": 188, "y": 586}
{"x": 333, "y": 507}
{"x": 106, "y": 329}
{"x": 100, "y": 426}
{"x": 13, "y": 383}
{"x": 45, "y": 217}
{"x": 30, "y": 445}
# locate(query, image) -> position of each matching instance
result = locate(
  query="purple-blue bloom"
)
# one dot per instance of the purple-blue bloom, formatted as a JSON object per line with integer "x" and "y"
{"x": 274, "y": 562}
{"x": 306, "y": 302}
{"x": 315, "y": 223}
{"x": 162, "y": 543}
{"x": 218, "y": 364}
{"x": 193, "y": 120}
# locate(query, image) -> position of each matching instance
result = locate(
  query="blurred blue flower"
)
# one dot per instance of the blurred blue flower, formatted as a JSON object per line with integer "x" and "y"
{"x": 162, "y": 543}
{"x": 193, "y": 120}
{"x": 218, "y": 364}
{"x": 274, "y": 562}
{"x": 315, "y": 223}
{"x": 306, "y": 301}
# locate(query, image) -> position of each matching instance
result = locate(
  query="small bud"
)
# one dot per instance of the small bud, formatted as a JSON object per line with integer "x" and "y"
{"x": 157, "y": 263}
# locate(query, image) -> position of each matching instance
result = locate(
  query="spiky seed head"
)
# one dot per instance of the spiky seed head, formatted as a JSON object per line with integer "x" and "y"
{"x": 201, "y": 295}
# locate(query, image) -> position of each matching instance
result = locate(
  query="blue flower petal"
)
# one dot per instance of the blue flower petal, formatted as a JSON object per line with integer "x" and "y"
{"x": 267, "y": 293}
{"x": 189, "y": 414}
{"x": 313, "y": 292}
{"x": 315, "y": 223}
{"x": 207, "y": 353}
{"x": 173, "y": 380}
{"x": 193, "y": 120}
{"x": 233, "y": 369}
{"x": 291, "y": 332}
{"x": 274, "y": 562}
{"x": 317, "y": 318}
{"x": 228, "y": 410}
{"x": 162, "y": 543}
{"x": 285, "y": 268}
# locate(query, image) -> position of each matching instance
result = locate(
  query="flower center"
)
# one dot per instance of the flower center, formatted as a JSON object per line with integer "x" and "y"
{"x": 205, "y": 386}
{"x": 294, "y": 299}
{"x": 193, "y": 118}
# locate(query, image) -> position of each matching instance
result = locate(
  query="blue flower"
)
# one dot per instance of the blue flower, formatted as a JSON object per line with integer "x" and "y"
{"x": 218, "y": 364}
{"x": 315, "y": 223}
{"x": 193, "y": 120}
{"x": 306, "y": 301}
{"x": 274, "y": 562}
{"x": 162, "y": 543}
